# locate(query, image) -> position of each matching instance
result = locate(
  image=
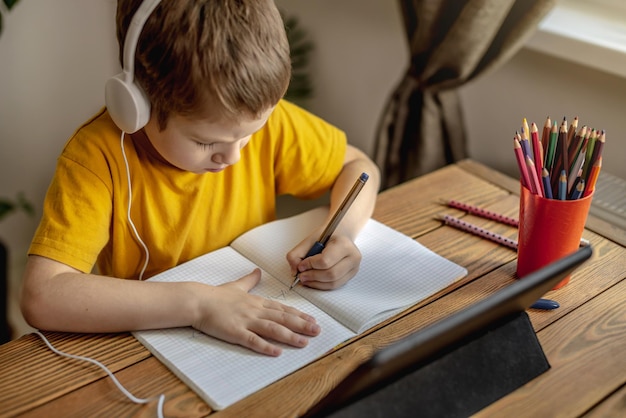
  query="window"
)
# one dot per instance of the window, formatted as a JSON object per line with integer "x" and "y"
{"x": 588, "y": 32}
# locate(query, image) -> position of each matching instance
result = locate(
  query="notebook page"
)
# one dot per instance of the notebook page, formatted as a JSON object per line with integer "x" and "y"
{"x": 396, "y": 271}
{"x": 222, "y": 373}
{"x": 267, "y": 245}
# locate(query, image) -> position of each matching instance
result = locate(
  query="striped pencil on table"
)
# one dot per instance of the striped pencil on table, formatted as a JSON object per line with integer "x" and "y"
{"x": 486, "y": 214}
{"x": 483, "y": 213}
{"x": 477, "y": 230}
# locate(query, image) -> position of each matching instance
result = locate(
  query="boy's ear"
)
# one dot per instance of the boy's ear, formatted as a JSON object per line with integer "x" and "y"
{"x": 126, "y": 101}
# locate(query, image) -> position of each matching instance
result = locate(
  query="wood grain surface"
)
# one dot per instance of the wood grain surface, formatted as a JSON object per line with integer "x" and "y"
{"x": 584, "y": 340}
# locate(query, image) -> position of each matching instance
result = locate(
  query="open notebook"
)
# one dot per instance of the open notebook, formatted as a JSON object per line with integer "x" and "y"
{"x": 396, "y": 272}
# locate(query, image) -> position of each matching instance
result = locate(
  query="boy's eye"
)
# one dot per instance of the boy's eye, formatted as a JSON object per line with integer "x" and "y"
{"x": 205, "y": 146}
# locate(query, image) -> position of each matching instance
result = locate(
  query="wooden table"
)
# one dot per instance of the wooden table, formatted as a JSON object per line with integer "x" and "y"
{"x": 584, "y": 340}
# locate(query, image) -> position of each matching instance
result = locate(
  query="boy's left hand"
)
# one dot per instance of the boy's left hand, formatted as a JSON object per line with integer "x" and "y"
{"x": 332, "y": 268}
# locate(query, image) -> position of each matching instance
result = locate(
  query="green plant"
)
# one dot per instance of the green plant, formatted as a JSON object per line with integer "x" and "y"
{"x": 20, "y": 203}
{"x": 301, "y": 86}
{"x": 8, "y": 6}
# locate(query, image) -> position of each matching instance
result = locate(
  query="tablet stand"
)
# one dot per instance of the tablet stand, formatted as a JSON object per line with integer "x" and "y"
{"x": 467, "y": 378}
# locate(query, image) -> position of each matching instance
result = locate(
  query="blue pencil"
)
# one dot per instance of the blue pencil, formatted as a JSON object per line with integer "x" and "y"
{"x": 563, "y": 185}
{"x": 547, "y": 187}
{"x": 578, "y": 190}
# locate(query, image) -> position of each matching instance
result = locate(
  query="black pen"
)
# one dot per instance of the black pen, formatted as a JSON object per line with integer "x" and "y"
{"x": 332, "y": 225}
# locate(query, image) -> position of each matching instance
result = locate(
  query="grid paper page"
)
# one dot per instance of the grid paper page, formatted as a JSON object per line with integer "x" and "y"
{"x": 396, "y": 271}
{"x": 223, "y": 373}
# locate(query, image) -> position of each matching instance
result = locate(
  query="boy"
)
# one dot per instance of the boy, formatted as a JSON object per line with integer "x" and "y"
{"x": 218, "y": 147}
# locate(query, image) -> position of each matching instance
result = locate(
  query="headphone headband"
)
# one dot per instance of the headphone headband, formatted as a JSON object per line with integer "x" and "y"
{"x": 126, "y": 102}
{"x": 132, "y": 35}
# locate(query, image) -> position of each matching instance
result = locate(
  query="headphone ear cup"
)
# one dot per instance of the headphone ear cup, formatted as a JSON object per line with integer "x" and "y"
{"x": 127, "y": 104}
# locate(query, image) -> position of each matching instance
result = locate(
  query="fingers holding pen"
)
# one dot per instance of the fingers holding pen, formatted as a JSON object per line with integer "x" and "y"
{"x": 333, "y": 267}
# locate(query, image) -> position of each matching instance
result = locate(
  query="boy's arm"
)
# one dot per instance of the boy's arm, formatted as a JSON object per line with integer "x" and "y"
{"x": 340, "y": 259}
{"x": 355, "y": 163}
{"x": 57, "y": 297}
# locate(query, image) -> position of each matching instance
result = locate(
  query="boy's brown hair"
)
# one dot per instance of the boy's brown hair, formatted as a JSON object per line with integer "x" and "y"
{"x": 192, "y": 53}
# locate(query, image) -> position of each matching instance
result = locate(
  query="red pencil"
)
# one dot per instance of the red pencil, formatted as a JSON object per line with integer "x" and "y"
{"x": 521, "y": 163}
{"x": 536, "y": 187}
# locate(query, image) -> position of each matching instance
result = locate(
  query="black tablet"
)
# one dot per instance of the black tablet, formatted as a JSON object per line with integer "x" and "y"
{"x": 426, "y": 345}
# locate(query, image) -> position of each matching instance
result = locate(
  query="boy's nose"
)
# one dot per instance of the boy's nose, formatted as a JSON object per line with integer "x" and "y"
{"x": 229, "y": 155}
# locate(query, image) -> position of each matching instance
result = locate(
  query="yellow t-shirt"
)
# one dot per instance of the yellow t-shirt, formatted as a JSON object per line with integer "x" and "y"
{"x": 179, "y": 215}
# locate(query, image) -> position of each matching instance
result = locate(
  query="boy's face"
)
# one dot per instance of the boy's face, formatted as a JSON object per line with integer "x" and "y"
{"x": 200, "y": 146}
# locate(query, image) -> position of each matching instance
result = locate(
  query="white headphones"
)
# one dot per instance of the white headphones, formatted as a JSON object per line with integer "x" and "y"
{"x": 125, "y": 100}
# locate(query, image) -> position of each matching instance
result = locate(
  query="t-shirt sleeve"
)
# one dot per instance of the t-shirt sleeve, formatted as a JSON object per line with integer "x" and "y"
{"x": 309, "y": 153}
{"x": 76, "y": 216}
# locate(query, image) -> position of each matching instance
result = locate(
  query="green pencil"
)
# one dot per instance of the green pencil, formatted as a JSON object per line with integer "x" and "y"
{"x": 549, "y": 157}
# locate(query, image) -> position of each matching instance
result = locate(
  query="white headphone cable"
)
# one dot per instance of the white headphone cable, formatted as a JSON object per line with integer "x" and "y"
{"x": 96, "y": 362}
{"x": 122, "y": 389}
{"x": 130, "y": 221}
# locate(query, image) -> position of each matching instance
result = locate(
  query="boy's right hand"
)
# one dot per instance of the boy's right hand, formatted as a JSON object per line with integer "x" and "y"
{"x": 230, "y": 313}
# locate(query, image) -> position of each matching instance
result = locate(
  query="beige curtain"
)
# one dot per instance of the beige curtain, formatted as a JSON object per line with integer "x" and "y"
{"x": 450, "y": 42}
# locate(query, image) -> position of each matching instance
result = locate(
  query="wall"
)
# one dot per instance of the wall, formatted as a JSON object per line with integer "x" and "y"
{"x": 56, "y": 56}
{"x": 54, "y": 59}
{"x": 535, "y": 85}
{"x": 361, "y": 54}
{"x": 358, "y": 58}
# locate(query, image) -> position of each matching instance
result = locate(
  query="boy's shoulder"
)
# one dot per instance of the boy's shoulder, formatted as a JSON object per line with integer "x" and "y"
{"x": 97, "y": 133}
{"x": 94, "y": 147}
{"x": 292, "y": 120}
{"x": 290, "y": 114}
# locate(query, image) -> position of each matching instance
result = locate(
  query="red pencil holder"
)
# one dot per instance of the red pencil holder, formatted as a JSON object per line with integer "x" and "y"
{"x": 549, "y": 229}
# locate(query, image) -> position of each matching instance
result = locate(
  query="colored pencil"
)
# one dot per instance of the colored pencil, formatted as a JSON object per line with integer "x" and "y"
{"x": 483, "y": 213}
{"x": 524, "y": 143}
{"x": 591, "y": 143}
{"x": 560, "y": 157}
{"x": 576, "y": 144}
{"x": 593, "y": 177}
{"x": 521, "y": 163}
{"x": 537, "y": 149}
{"x": 525, "y": 130}
{"x": 481, "y": 232}
{"x": 562, "y": 161}
{"x": 536, "y": 187}
{"x": 597, "y": 149}
{"x": 562, "y": 186}
{"x": 572, "y": 130}
{"x": 578, "y": 190}
{"x": 549, "y": 157}
{"x": 547, "y": 187}
{"x": 545, "y": 135}
{"x": 575, "y": 170}
{"x": 564, "y": 152}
